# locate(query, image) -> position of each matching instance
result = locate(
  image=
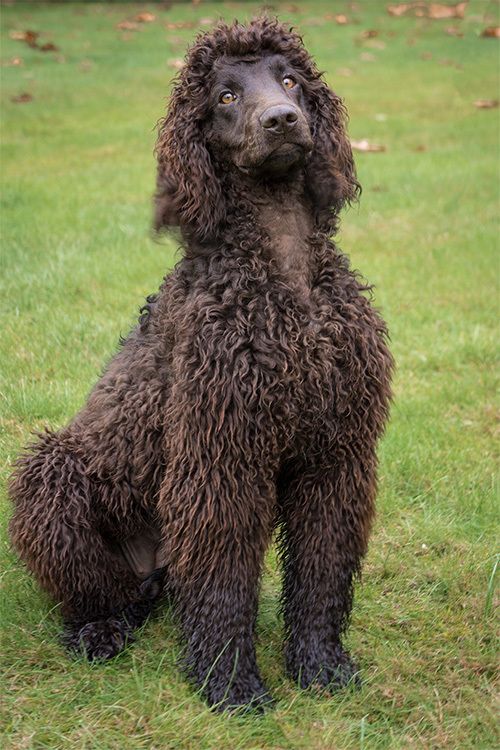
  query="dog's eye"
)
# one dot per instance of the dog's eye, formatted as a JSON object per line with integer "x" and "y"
{"x": 289, "y": 82}
{"x": 227, "y": 97}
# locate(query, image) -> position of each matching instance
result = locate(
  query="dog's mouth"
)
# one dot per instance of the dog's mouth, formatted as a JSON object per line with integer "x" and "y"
{"x": 279, "y": 161}
{"x": 284, "y": 157}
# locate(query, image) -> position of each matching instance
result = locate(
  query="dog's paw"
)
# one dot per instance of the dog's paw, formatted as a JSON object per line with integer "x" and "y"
{"x": 244, "y": 696}
{"x": 331, "y": 673}
{"x": 99, "y": 640}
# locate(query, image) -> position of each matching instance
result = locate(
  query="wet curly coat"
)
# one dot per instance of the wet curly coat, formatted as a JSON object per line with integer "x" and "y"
{"x": 249, "y": 398}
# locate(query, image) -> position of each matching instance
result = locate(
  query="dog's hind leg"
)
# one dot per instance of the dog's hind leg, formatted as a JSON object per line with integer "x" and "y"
{"x": 55, "y": 531}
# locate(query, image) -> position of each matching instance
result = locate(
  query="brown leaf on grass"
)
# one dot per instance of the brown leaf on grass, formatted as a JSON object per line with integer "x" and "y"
{"x": 48, "y": 47}
{"x": 180, "y": 25}
{"x": 341, "y": 19}
{"x": 86, "y": 65}
{"x": 446, "y": 62}
{"x": 374, "y": 43}
{"x": 31, "y": 39}
{"x": 127, "y": 26}
{"x": 13, "y": 62}
{"x": 369, "y": 34}
{"x": 486, "y": 103}
{"x": 28, "y": 36}
{"x": 436, "y": 11}
{"x": 419, "y": 148}
{"x": 176, "y": 63}
{"x": 367, "y": 147}
{"x": 313, "y": 21}
{"x": 491, "y": 32}
{"x": 21, "y": 98}
{"x": 145, "y": 17}
{"x": 454, "y": 31}
{"x": 400, "y": 9}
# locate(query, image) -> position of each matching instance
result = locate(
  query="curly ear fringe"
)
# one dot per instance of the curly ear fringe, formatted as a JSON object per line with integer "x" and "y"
{"x": 331, "y": 173}
{"x": 188, "y": 191}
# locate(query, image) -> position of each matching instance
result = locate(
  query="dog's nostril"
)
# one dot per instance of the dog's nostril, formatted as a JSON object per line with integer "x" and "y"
{"x": 270, "y": 122}
{"x": 278, "y": 118}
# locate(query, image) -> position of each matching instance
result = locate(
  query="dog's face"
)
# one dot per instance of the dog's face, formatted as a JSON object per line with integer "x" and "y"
{"x": 250, "y": 104}
{"x": 259, "y": 119}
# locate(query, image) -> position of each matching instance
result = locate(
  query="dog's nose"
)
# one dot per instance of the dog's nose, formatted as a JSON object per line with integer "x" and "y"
{"x": 279, "y": 118}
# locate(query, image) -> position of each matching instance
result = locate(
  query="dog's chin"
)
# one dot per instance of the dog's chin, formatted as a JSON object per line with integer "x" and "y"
{"x": 279, "y": 163}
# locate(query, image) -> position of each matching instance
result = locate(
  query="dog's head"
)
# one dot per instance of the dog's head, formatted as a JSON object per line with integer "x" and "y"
{"x": 250, "y": 101}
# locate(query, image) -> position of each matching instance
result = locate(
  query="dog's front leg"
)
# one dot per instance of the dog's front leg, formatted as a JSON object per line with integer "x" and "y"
{"x": 217, "y": 511}
{"x": 326, "y": 515}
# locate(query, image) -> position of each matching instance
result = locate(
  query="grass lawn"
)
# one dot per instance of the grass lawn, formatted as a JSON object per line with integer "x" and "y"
{"x": 77, "y": 261}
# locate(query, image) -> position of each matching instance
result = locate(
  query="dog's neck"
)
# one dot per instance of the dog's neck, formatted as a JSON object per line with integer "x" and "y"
{"x": 285, "y": 217}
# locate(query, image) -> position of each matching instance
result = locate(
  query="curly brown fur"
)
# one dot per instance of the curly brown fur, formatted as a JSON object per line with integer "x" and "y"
{"x": 250, "y": 396}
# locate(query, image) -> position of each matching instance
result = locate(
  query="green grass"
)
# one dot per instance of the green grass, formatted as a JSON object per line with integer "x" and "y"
{"x": 77, "y": 261}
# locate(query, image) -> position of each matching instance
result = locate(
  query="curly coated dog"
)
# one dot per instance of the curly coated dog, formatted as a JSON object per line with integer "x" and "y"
{"x": 249, "y": 398}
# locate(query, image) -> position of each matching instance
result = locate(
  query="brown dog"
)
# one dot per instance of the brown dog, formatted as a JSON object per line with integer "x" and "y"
{"x": 251, "y": 395}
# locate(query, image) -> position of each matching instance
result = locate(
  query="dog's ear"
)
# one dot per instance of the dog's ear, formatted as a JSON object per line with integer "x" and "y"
{"x": 331, "y": 174}
{"x": 188, "y": 193}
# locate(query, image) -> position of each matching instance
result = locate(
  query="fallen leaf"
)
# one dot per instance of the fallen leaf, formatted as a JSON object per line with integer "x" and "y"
{"x": 374, "y": 44}
{"x": 48, "y": 47}
{"x": 21, "y": 98}
{"x": 369, "y": 34}
{"x": 486, "y": 103}
{"x": 491, "y": 32}
{"x": 435, "y": 11}
{"x": 29, "y": 37}
{"x": 398, "y": 10}
{"x": 341, "y": 19}
{"x": 145, "y": 17}
{"x": 86, "y": 65}
{"x": 426, "y": 56}
{"x": 180, "y": 25}
{"x": 420, "y": 148}
{"x": 454, "y": 31}
{"x": 127, "y": 26}
{"x": 450, "y": 63}
{"x": 13, "y": 62}
{"x": 176, "y": 63}
{"x": 367, "y": 147}
{"x": 438, "y": 11}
